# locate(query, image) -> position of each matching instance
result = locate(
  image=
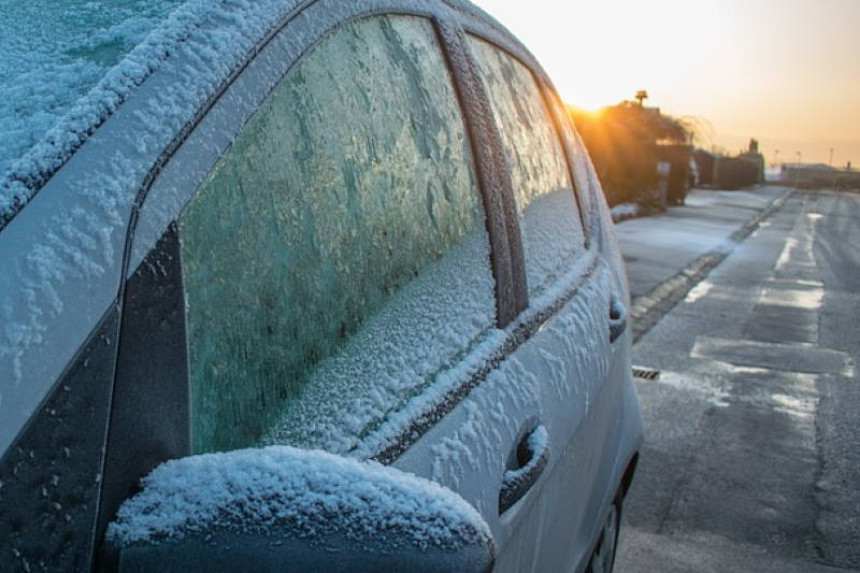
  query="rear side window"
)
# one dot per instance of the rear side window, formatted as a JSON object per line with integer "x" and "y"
{"x": 336, "y": 257}
{"x": 549, "y": 217}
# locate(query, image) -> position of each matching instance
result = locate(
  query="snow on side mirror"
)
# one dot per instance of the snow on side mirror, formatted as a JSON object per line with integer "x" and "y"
{"x": 285, "y": 509}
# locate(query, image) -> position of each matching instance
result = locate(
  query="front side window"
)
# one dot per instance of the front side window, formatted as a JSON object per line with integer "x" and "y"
{"x": 549, "y": 217}
{"x": 335, "y": 260}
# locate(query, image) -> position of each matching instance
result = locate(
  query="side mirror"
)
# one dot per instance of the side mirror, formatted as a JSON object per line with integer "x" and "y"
{"x": 285, "y": 509}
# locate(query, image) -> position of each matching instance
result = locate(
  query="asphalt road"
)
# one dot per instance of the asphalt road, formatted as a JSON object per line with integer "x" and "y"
{"x": 752, "y": 453}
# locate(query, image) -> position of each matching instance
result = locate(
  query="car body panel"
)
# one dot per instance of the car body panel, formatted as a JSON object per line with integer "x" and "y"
{"x": 51, "y": 478}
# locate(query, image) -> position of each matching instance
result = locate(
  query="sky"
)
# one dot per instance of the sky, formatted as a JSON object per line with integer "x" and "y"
{"x": 786, "y": 72}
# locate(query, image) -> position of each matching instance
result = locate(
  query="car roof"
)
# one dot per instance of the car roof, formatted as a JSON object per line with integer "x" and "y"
{"x": 51, "y": 58}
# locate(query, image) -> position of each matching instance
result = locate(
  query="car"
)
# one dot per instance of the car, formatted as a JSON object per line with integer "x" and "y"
{"x": 308, "y": 285}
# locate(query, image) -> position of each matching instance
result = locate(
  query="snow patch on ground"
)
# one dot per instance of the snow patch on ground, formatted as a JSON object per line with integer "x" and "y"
{"x": 625, "y": 211}
{"x": 304, "y": 492}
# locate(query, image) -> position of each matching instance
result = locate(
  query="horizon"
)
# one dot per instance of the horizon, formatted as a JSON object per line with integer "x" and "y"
{"x": 786, "y": 74}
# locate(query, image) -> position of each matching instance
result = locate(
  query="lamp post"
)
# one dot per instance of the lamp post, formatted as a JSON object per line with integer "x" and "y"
{"x": 799, "y": 157}
{"x": 776, "y": 157}
{"x": 831, "y": 157}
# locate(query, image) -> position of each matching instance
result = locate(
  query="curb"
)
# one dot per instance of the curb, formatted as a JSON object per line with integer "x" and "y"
{"x": 647, "y": 310}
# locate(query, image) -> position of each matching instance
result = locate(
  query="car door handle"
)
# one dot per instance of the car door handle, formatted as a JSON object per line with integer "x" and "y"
{"x": 532, "y": 457}
{"x": 617, "y": 318}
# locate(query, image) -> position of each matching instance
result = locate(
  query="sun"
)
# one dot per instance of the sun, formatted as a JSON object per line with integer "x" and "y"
{"x": 600, "y": 53}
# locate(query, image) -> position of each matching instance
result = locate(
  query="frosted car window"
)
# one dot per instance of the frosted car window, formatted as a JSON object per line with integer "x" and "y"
{"x": 347, "y": 205}
{"x": 549, "y": 217}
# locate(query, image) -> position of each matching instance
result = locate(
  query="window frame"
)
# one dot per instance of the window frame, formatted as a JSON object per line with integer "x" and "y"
{"x": 197, "y": 222}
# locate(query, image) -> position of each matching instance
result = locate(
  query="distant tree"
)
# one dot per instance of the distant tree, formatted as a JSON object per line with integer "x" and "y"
{"x": 622, "y": 141}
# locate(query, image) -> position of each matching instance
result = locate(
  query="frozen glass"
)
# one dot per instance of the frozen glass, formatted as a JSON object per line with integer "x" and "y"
{"x": 549, "y": 217}
{"x": 351, "y": 181}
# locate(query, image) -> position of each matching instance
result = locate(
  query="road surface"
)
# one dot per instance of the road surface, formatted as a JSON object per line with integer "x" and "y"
{"x": 752, "y": 453}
